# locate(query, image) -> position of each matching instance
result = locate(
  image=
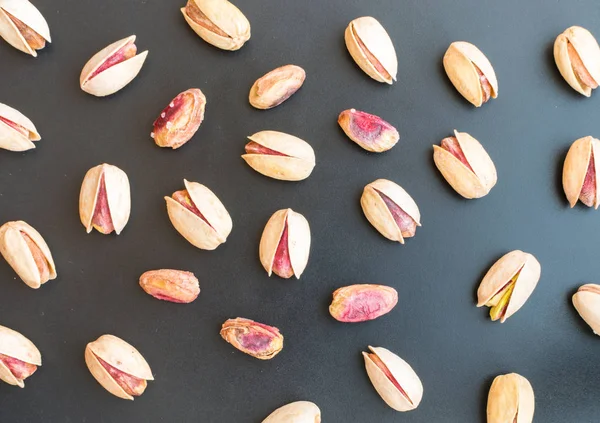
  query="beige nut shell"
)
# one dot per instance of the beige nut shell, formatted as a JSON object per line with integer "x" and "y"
{"x": 510, "y": 396}
{"x": 15, "y": 345}
{"x": 588, "y": 50}
{"x": 295, "y": 412}
{"x": 27, "y": 13}
{"x": 587, "y": 303}
{"x": 10, "y": 138}
{"x": 575, "y": 168}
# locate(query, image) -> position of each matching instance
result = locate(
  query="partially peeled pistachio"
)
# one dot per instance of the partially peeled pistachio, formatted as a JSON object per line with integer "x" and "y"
{"x": 16, "y": 131}
{"x": 256, "y": 339}
{"x": 511, "y": 400}
{"x": 369, "y": 131}
{"x": 112, "y": 68}
{"x": 577, "y": 56}
{"x": 587, "y": 303}
{"x": 295, "y": 412}
{"x": 27, "y": 253}
{"x": 19, "y": 357}
{"x": 23, "y": 26}
{"x": 580, "y": 172}
{"x": 277, "y": 86}
{"x": 508, "y": 284}
{"x": 393, "y": 379}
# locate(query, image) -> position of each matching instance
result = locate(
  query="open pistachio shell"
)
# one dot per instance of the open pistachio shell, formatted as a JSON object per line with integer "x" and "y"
{"x": 511, "y": 400}
{"x": 32, "y": 28}
{"x": 580, "y": 172}
{"x": 15, "y": 346}
{"x": 295, "y": 412}
{"x": 16, "y": 131}
{"x": 577, "y": 56}
{"x": 587, "y": 303}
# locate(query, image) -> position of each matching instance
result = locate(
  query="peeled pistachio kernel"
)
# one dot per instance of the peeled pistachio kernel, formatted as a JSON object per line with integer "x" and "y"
{"x": 511, "y": 400}
{"x": 577, "y": 56}
{"x": 276, "y": 86}
{"x": 587, "y": 303}
{"x": 359, "y": 303}
{"x": 295, "y": 412}
{"x": 580, "y": 180}
{"x": 16, "y": 131}
{"x": 176, "y": 286}
{"x": 23, "y": 26}
{"x": 256, "y": 339}
{"x": 19, "y": 357}
{"x": 369, "y": 131}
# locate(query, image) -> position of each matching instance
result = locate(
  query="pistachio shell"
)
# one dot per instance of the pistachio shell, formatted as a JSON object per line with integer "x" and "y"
{"x": 296, "y": 163}
{"x": 587, "y": 303}
{"x": 588, "y": 51}
{"x": 277, "y": 86}
{"x": 15, "y": 345}
{"x": 295, "y": 412}
{"x": 12, "y": 139}
{"x": 511, "y": 400}
{"x": 28, "y": 14}
{"x": 576, "y": 166}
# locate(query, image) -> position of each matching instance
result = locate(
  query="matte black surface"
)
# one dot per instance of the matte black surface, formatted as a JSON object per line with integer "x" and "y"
{"x": 452, "y": 345}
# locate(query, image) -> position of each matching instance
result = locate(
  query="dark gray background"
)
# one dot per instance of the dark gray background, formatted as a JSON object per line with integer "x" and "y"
{"x": 436, "y": 327}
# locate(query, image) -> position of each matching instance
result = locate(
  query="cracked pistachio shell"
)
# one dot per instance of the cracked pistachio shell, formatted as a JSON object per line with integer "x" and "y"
{"x": 474, "y": 183}
{"x": 587, "y": 303}
{"x": 295, "y": 412}
{"x": 461, "y": 62}
{"x": 372, "y": 49}
{"x": 114, "y": 77}
{"x": 16, "y": 131}
{"x": 203, "y": 235}
{"x": 30, "y": 16}
{"x": 17, "y": 252}
{"x": 511, "y": 400}
{"x": 15, "y": 345}
{"x": 294, "y": 161}
{"x": 118, "y": 196}
{"x": 576, "y": 167}
{"x": 502, "y": 272}
{"x": 586, "y": 47}
{"x": 120, "y": 355}
{"x": 218, "y": 22}
{"x": 397, "y": 373}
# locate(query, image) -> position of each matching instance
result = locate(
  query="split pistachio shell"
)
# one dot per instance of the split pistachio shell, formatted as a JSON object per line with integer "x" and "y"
{"x": 466, "y": 165}
{"x": 27, "y": 253}
{"x": 393, "y": 379}
{"x": 285, "y": 244}
{"x": 280, "y": 156}
{"x": 276, "y": 86}
{"x": 470, "y": 72}
{"x": 587, "y": 303}
{"x": 508, "y": 284}
{"x": 23, "y": 26}
{"x": 19, "y": 357}
{"x": 124, "y": 369}
{"x": 203, "y": 221}
{"x": 295, "y": 412}
{"x": 511, "y": 400}
{"x": 16, "y": 131}
{"x": 112, "y": 68}
{"x": 577, "y": 56}
{"x": 218, "y": 22}
{"x": 372, "y": 49}
{"x": 580, "y": 172}
{"x": 390, "y": 209}
{"x": 105, "y": 199}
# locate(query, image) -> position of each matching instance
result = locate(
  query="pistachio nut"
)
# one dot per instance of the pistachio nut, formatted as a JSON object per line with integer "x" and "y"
{"x": 577, "y": 56}
{"x": 295, "y": 412}
{"x": 511, "y": 400}
{"x": 369, "y": 131}
{"x": 280, "y": 156}
{"x": 391, "y": 210}
{"x": 393, "y": 379}
{"x": 372, "y": 49}
{"x": 277, "y": 86}
{"x": 112, "y": 68}
{"x": 23, "y": 26}
{"x": 466, "y": 165}
{"x": 359, "y": 303}
{"x": 587, "y": 303}
{"x": 285, "y": 244}
{"x": 19, "y": 358}
{"x": 180, "y": 120}
{"x": 27, "y": 253}
{"x": 508, "y": 284}
{"x": 199, "y": 216}
{"x": 118, "y": 366}
{"x": 176, "y": 286}
{"x": 105, "y": 200}
{"x": 218, "y": 22}
{"x": 580, "y": 180}
{"x": 256, "y": 339}
{"x": 16, "y": 131}
{"x": 470, "y": 72}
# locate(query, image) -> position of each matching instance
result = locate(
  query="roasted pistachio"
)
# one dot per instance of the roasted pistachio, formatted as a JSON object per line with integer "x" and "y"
{"x": 369, "y": 131}
{"x": 16, "y": 131}
{"x": 276, "y": 86}
{"x": 359, "y": 303}
{"x": 510, "y": 400}
{"x": 587, "y": 303}
{"x": 580, "y": 180}
{"x": 577, "y": 55}
{"x": 256, "y": 339}
{"x": 295, "y": 412}
{"x": 23, "y": 26}
{"x": 19, "y": 358}
{"x": 176, "y": 286}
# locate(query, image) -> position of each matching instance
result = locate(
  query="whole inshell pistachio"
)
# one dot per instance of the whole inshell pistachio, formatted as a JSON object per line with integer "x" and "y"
{"x": 19, "y": 358}
{"x": 508, "y": 284}
{"x": 27, "y": 253}
{"x": 23, "y": 26}
{"x": 470, "y": 72}
{"x": 587, "y": 303}
{"x": 372, "y": 49}
{"x": 510, "y": 400}
{"x": 105, "y": 200}
{"x": 176, "y": 286}
{"x": 295, "y": 412}
{"x": 256, "y": 339}
{"x": 16, "y": 131}
{"x": 285, "y": 244}
{"x": 369, "y": 131}
{"x": 577, "y": 55}
{"x": 112, "y": 68}
{"x": 218, "y": 22}
{"x": 359, "y": 303}
{"x": 280, "y": 156}
{"x": 118, "y": 366}
{"x": 199, "y": 216}
{"x": 466, "y": 165}
{"x": 580, "y": 180}
{"x": 393, "y": 379}
{"x": 391, "y": 210}
{"x": 276, "y": 86}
